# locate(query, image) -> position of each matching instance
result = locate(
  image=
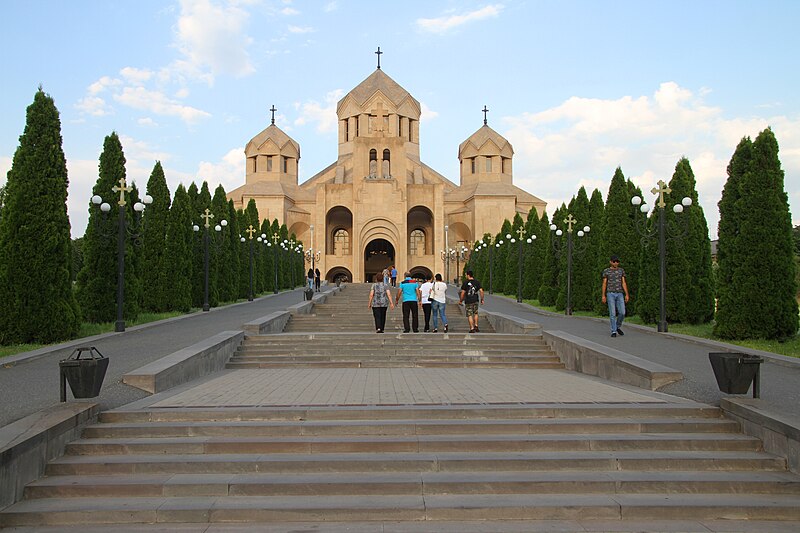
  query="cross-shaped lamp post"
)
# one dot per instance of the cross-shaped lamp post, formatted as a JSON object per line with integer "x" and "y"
{"x": 569, "y": 221}
{"x": 250, "y": 231}
{"x": 661, "y": 190}
{"x": 275, "y": 239}
{"x": 521, "y": 233}
{"x": 122, "y": 230}
{"x": 207, "y": 215}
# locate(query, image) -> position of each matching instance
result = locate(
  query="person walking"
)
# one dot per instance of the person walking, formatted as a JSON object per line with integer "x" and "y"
{"x": 317, "y": 278}
{"x": 386, "y": 275}
{"x": 393, "y": 274}
{"x": 310, "y": 279}
{"x": 380, "y": 297}
{"x": 471, "y": 292}
{"x": 438, "y": 301}
{"x": 615, "y": 294}
{"x": 410, "y": 296}
{"x": 425, "y": 291}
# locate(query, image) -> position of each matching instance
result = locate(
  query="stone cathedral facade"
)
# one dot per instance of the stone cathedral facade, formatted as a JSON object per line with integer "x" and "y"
{"x": 378, "y": 204}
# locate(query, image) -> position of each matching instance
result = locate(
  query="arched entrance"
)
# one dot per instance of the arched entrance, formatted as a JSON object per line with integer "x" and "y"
{"x": 421, "y": 272}
{"x": 378, "y": 254}
{"x": 340, "y": 274}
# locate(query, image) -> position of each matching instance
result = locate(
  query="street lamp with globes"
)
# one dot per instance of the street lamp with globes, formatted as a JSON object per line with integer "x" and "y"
{"x": 207, "y": 215}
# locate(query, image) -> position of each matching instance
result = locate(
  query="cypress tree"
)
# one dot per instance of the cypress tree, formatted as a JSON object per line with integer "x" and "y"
{"x": 201, "y": 200}
{"x": 501, "y": 257}
{"x": 178, "y": 253}
{"x": 244, "y": 255}
{"x": 154, "y": 275}
{"x": 549, "y": 289}
{"x": 533, "y": 256}
{"x": 513, "y": 256}
{"x": 235, "y": 248}
{"x": 595, "y": 259}
{"x": 583, "y": 255}
{"x": 220, "y": 252}
{"x": 764, "y": 280}
{"x": 36, "y": 299}
{"x": 97, "y": 282}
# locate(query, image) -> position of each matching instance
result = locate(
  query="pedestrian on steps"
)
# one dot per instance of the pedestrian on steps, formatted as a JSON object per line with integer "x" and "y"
{"x": 471, "y": 292}
{"x": 438, "y": 301}
{"x": 393, "y": 274}
{"x": 310, "y": 279}
{"x": 380, "y": 297}
{"x": 317, "y": 278}
{"x": 410, "y": 296}
{"x": 425, "y": 290}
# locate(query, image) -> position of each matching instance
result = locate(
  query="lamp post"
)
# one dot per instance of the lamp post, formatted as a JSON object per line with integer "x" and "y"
{"x": 446, "y": 251}
{"x": 569, "y": 221}
{"x": 310, "y": 255}
{"x": 461, "y": 253}
{"x": 207, "y": 215}
{"x": 646, "y": 232}
{"x": 122, "y": 231}
{"x": 275, "y": 238}
{"x": 250, "y": 230}
{"x": 521, "y": 233}
{"x": 447, "y": 256}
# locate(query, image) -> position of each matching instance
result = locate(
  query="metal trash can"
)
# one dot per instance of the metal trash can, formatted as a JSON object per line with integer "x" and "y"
{"x": 85, "y": 370}
{"x": 736, "y": 371}
{"x": 308, "y": 294}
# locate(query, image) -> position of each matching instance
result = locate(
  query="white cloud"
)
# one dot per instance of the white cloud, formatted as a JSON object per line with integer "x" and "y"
{"x": 229, "y": 172}
{"x": 583, "y": 140}
{"x": 448, "y": 22}
{"x": 102, "y": 84}
{"x": 427, "y": 113}
{"x": 158, "y": 103}
{"x": 147, "y": 121}
{"x": 289, "y": 11}
{"x": 93, "y": 105}
{"x": 136, "y": 76}
{"x": 212, "y": 36}
{"x": 298, "y": 29}
{"x": 331, "y": 6}
{"x": 323, "y": 114}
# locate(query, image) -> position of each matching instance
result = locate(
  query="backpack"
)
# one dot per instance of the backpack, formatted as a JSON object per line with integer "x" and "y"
{"x": 472, "y": 293}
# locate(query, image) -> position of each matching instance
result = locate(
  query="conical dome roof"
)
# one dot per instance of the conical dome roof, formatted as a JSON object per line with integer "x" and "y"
{"x": 477, "y": 140}
{"x": 379, "y": 81}
{"x": 275, "y": 134}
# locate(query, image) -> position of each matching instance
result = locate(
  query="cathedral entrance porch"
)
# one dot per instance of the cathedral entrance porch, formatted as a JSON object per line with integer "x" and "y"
{"x": 378, "y": 254}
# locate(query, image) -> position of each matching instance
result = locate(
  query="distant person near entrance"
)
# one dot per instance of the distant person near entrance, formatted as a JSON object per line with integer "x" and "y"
{"x": 386, "y": 276}
{"x": 411, "y": 297}
{"x": 317, "y": 278}
{"x": 310, "y": 279}
{"x": 471, "y": 293}
{"x": 425, "y": 291}
{"x": 393, "y": 273}
{"x": 615, "y": 294}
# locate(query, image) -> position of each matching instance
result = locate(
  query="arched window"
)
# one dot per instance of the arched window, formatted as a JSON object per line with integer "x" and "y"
{"x": 373, "y": 163}
{"x": 341, "y": 242}
{"x": 386, "y": 169}
{"x": 416, "y": 242}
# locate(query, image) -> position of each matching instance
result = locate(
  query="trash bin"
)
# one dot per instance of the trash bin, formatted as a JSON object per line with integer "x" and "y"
{"x": 308, "y": 294}
{"x": 735, "y": 371}
{"x": 85, "y": 370}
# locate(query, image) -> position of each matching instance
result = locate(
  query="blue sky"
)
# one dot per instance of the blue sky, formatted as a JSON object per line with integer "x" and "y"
{"x": 578, "y": 87}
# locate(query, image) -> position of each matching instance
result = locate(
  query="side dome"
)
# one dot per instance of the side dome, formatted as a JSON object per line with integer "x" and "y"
{"x": 378, "y": 81}
{"x": 486, "y": 142}
{"x": 277, "y": 137}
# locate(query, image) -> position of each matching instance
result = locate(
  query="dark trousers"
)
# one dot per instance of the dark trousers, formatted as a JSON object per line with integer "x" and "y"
{"x": 379, "y": 313}
{"x": 317, "y": 282}
{"x": 426, "y": 309}
{"x": 411, "y": 307}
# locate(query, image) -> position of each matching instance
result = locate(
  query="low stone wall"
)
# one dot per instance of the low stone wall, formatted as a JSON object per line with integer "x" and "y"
{"x": 780, "y": 437}
{"x": 271, "y": 323}
{"x": 197, "y": 360}
{"x": 595, "y": 359}
{"x": 27, "y": 445}
{"x": 510, "y": 324}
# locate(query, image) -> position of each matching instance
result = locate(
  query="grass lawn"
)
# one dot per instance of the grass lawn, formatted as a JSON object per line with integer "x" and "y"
{"x": 789, "y": 347}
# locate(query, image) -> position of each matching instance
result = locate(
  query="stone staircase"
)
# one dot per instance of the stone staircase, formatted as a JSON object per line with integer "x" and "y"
{"x": 347, "y": 311}
{"x": 434, "y": 463}
{"x": 431, "y": 467}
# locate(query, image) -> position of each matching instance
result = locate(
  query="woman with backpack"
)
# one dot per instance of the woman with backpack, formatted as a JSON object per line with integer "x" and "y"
{"x": 438, "y": 302}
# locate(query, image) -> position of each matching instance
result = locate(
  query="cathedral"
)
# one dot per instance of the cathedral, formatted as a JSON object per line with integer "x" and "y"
{"x": 378, "y": 204}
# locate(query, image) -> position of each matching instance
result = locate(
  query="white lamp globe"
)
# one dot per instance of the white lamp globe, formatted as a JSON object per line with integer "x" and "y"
{"x": 678, "y": 208}
{"x": 105, "y": 207}
{"x": 636, "y": 200}
{"x": 686, "y": 201}
{"x": 96, "y": 200}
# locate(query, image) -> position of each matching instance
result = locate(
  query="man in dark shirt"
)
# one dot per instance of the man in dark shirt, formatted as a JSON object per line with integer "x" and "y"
{"x": 471, "y": 292}
{"x": 615, "y": 293}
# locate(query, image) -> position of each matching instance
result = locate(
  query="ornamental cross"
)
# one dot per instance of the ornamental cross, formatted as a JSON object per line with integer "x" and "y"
{"x": 660, "y": 190}
{"x": 275, "y": 238}
{"x": 484, "y": 115}
{"x": 521, "y": 232}
{"x": 250, "y": 230}
{"x": 272, "y": 109}
{"x": 208, "y": 215}
{"x": 569, "y": 221}
{"x": 380, "y": 112}
{"x": 122, "y": 189}
{"x": 379, "y": 53}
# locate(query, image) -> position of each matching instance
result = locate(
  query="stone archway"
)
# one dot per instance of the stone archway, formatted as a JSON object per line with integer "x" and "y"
{"x": 340, "y": 274}
{"x": 378, "y": 254}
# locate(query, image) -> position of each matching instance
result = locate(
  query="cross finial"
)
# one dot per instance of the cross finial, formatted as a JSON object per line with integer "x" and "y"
{"x": 569, "y": 221}
{"x": 122, "y": 189}
{"x": 378, "y": 53}
{"x": 660, "y": 190}
{"x": 250, "y": 229}
{"x": 272, "y": 109}
{"x": 208, "y": 215}
{"x": 521, "y": 232}
{"x": 485, "y": 122}
{"x": 275, "y": 238}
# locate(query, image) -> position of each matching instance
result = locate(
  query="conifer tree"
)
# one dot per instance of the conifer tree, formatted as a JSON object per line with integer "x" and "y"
{"x": 36, "y": 299}
{"x": 201, "y": 200}
{"x": 244, "y": 255}
{"x": 595, "y": 260}
{"x": 583, "y": 256}
{"x": 549, "y": 289}
{"x": 763, "y": 280}
{"x": 97, "y": 281}
{"x": 221, "y": 251}
{"x": 154, "y": 275}
{"x": 178, "y": 252}
{"x": 513, "y": 256}
{"x": 501, "y": 257}
{"x": 619, "y": 237}
{"x": 533, "y": 256}
{"x": 235, "y": 253}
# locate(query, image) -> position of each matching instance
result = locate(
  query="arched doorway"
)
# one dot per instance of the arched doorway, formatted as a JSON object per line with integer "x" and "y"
{"x": 421, "y": 272}
{"x": 378, "y": 254}
{"x": 339, "y": 274}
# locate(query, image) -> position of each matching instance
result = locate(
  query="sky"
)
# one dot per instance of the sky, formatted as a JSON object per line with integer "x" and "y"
{"x": 578, "y": 87}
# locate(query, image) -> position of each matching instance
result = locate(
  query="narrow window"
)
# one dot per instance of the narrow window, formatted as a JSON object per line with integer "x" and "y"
{"x": 472, "y": 165}
{"x": 347, "y": 129}
{"x": 488, "y": 164}
{"x": 416, "y": 242}
{"x": 386, "y": 170}
{"x": 269, "y": 163}
{"x": 341, "y": 242}
{"x": 285, "y": 165}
